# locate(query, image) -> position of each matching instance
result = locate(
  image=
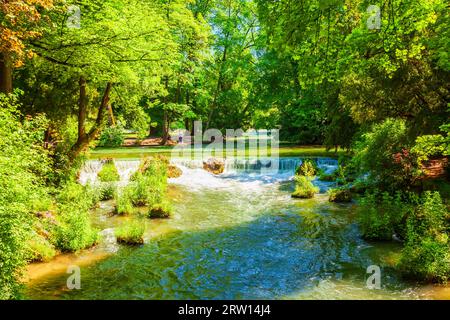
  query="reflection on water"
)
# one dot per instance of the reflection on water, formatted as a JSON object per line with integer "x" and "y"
{"x": 237, "y": 236}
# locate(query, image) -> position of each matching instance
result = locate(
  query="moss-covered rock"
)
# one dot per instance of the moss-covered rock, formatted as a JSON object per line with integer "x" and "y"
{"x": 340, "y": 195}
{"x": 215, "y": 166}
{"x": 174, "y": 172}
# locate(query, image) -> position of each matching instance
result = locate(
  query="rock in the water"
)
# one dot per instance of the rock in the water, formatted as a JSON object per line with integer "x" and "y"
{"x": 174, "y": 172}
{"x": 340, "y": 195}
{"x": 214, "y": 166}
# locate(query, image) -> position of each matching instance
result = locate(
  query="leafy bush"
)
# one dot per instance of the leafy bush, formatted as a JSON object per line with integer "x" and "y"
{"x": 149, "y": 183}
{"x": 382, "y": 215}
{"x": 308, "y": 168}
{"x": 124, "y": 204}
{"x": 112, "y": 137}
{"x": 74, "y": 231}
{"x": 24, "y": 167}
{"x": 131, "y": 233}
{"x": 304, "y": 188}
{"x": 160, "y": 211}
{"x": 40, "y": 249}
{"x": 426, "y": 254}
{"x": 109, "y": 173}
{"x": 107, "y": 191}
{"x": 383, "y": 154}
{"x": 340, "y": 195}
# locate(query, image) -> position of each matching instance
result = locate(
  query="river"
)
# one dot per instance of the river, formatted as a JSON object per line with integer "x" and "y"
{"x": 235, "y": 236}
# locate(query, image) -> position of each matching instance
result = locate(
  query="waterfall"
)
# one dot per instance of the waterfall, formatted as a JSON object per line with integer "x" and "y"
{"x": 233, "y": 166}
{"x": 88, "y": 174}
{"x": 91, "y": 168}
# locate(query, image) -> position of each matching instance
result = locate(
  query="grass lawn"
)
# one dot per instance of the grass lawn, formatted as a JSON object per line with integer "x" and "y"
{"x": 138, "y": 152}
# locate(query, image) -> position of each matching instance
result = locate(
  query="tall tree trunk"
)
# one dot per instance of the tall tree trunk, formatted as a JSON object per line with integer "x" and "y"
{"x": 6, "y": 83}
{"x": 165, "y": 128}
{"x": 218, "y": 88}
{"x": 84, "y": 139}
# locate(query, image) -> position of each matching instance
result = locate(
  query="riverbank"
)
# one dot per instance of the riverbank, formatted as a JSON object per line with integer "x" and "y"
{"x": 139, "y": 152}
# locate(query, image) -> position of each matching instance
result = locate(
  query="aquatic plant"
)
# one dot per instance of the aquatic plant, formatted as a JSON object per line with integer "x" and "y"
{"x": 131, "y": 232}
{"x": 109, "y": 173}
{"x": 304, "y": 188}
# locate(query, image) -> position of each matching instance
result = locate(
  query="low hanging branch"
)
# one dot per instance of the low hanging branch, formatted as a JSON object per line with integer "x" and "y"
{"x": 84, "y": 139}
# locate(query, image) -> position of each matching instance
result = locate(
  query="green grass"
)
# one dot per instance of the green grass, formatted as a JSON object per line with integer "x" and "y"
{"x": 139, "y": 152}
{"x": 131, "y": 233}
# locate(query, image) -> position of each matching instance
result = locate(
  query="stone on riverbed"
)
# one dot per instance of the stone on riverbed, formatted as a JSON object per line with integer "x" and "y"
{"x": 174, "y": 172}
{"x": 340, "y": 195}
{"x": 215, "y": 166}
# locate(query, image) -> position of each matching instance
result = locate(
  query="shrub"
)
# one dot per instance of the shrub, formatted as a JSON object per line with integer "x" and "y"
{"x": 308, "y": 168}
{"x": 131, "y": 233}
{"x": 340, "y": 195}
{"x": 149, "y": 183}
{"x": 109, "y": 173}
{"x": 74, "y": 231}
{"x": 124, "y": 205}
{"x": 382, "y": 215}
{"x": 107, "y": 191}
{"x": 304, "y": 188}
{"x": 112, "y": 137}
{"x": 426, "y": 254}
{"x": 40, "y": 249}
{"x": 24, "y": 167}
{"x": 160, "y": 211}
{"x": 383, "y": 154}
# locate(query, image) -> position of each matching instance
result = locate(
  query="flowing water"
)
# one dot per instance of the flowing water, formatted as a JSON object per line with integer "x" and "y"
{"x": 235, "y": 236}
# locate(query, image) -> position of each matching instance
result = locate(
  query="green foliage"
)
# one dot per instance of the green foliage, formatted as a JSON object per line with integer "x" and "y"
{"x": 124, "y": 204}
{"x": 308, "y": 168}
{"x": 161, "y": 210}
{"x": 74, "y": 230}
{"x": 107, "y": 191}
{"x": 429, "y": 146}
{"x": 383, "y": 154}
{"x": 131, "y": 232}
{"x": 426, "y": 254}
{"x": 23, "y": 169}
{"x": 304, "y": 188}
{"x": 109, "y": 172}
{"x": 382, "y": 215}
{"x": 40, "y": 249}
{"x": 340, "y": 195}
{"x": 112, "y": 137}
{"x": 147, "y": 188}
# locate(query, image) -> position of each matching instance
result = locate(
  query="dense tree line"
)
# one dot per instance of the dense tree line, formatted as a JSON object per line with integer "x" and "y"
{"x": 315, "y": 69}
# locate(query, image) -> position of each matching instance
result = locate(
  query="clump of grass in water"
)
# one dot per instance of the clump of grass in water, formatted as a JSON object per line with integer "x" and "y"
{"x": 147, "y": 188}
{"x": 131, "y": 233}
{"x": 304, "y": 188}
{"x": 109, "y": 172}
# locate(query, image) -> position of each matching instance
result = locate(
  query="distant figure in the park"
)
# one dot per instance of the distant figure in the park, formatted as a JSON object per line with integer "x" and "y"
{"x": 180, "y": 138}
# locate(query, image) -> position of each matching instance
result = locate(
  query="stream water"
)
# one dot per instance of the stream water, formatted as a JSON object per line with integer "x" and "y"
{"x": 235, "y": 236}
